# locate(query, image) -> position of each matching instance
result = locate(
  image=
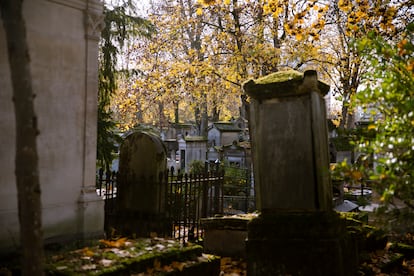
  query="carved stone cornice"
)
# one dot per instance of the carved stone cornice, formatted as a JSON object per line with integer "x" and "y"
{"x": 93, "y": 16}
{"x": 94, "y": 23}
{"x": 76, "y": 4}
{"x": 81, "y": 4}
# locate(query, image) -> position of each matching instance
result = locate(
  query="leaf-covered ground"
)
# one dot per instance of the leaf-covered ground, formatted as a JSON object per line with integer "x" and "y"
{"x": 151, "y": 256}
{"x": 377, "y": 265}
{"x": 395, "y": 259}
{"x": 386, "y": 262}
{"x": 232, "y": 267}
{"x": 383, "y": 262}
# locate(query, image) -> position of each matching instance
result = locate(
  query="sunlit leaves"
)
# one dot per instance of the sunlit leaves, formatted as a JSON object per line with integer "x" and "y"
{"x": 369, "y": 15}
{"x": 393, "y": 146}
{"x": 204, "y": 50}
{"x": 276, "y": 7}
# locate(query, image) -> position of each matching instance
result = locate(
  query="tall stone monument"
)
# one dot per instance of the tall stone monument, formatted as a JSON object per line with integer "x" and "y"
{"x": 141, "y": 196}
{"x": 297, "y": 233}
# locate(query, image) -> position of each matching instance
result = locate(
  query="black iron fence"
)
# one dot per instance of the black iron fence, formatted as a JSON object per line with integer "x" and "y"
{"x": 106, "y": 188}
{"x": 189, "y": 198}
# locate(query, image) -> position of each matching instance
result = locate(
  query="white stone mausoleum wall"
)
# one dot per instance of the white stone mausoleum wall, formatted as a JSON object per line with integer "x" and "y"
{"x": 63, "y": 43}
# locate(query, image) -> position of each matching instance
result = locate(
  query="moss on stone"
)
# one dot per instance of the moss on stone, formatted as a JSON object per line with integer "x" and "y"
{"x": 280, "y": 76}
{"x": 285, "y": 84}
{"x": 236, "y": 222}
{"x": 132, "y": 256}
{"x": 195, "y": 138}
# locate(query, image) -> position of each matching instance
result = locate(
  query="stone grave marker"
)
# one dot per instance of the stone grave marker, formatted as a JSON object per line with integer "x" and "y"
{"x": 297, "y": 232}
{"x": 141, "y": 195}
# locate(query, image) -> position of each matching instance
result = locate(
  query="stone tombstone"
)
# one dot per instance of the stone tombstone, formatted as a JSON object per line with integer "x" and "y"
{"x": 297, "y": 232}
{"x": 141, "y": 195}
{"x": 289, "y": 140}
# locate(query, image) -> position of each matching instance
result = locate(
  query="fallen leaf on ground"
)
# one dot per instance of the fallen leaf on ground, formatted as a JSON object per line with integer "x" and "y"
{"x": 178, "y": 265}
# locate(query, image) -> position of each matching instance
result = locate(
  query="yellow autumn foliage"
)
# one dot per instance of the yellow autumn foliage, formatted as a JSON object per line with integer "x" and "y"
{"x": 203, "y": 58}
{"x": 87, "y": 252}
{"x": 356, "y": 175}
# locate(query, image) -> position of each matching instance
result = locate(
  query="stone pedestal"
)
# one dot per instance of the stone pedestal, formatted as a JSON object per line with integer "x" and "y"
{"x": 313, "y": 243}
{"x": 297, "y": 233}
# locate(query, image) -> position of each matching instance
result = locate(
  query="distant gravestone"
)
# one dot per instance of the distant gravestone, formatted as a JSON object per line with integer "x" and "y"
{"x": 141, "y": 195}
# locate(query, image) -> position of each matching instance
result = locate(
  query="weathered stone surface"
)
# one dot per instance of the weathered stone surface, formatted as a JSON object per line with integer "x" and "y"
{"x": 141, "y": 195}
{"x": 289, "y": 142}
{"x": 225, "y": 236}
{"x": 285, "y": 84}
{"x": 144, "y": 257}
{"x": 313, "y": 243}
{"x": 297, "y": 232}
{"x": 64, "y": 67}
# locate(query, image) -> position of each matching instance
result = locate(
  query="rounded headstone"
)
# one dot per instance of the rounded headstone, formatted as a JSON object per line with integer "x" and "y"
{"x": 142, "y": 163}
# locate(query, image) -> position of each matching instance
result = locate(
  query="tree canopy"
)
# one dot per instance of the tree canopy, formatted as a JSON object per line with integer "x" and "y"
{"x": 203, "y": 52}
{"x": 121, "y": 25}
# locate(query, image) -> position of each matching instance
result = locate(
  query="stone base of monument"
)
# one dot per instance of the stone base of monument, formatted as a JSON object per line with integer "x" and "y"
{"x": 300, "y": 243}
{"x": 225, "y": 236}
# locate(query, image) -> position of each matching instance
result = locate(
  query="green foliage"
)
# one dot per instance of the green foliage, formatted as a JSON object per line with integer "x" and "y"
{"x": 236, "y": 181}
{"x": 342, "y": 143}
{"x": 197, "y": 167}
{"x": 389, "y": 98}
{"x": 235, "y": 176}
{"x": 108, "y": 139}
{"x": 119, "y": 27}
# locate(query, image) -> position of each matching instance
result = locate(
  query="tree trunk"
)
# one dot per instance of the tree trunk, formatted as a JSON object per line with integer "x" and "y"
{"x": 27, "y": 173}
{"x": 204, "y": 116}
{"x": 176, "y": 112}
{"x": 215, "y": 117}
{"x": 344, "y": 114}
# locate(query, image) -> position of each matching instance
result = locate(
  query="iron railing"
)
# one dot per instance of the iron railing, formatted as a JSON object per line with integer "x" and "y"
{"x": 189, "y": 197}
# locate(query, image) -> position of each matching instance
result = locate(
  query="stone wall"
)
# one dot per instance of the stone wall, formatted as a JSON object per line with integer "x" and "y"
{"x": 227, "y": 138}
{"x": 196, "y": 149}
{"x": 63, "y": 46}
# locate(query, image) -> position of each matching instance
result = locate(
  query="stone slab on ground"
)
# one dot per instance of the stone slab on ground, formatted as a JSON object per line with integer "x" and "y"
{"x": 151, "y": 256}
